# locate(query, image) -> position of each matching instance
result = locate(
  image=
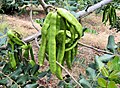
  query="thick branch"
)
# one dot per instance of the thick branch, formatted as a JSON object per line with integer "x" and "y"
{"x": 93, "y": 8}
{"x": 83, "y": 12}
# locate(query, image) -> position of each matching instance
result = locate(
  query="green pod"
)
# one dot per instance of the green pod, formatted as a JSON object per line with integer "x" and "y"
{"x": 72, "y": 32}
{"x": 58, "y": 24}
{"x": 14, "y": 38}
{"x": 72, "y": 46}
{"x": 110, "y": 16}
{"x": 60, "y": 53}
{"x": 72, "y": 54}
{"x": 71, "y": 19}
{"x": 25, "y": 46}
{"x": 32, "y": 62}
{"x": 113, "y": 14}
{"x": 76, "y": 49}
{"x": 41, "y": 52}
{"x": 31, "y": 52}
{"x": 68, "y": 59}
{"x": 105, "y": 14}
{"x": 52, "y": 42}
{"x": 26, "y": 54}
{"x": 12, "y": 60}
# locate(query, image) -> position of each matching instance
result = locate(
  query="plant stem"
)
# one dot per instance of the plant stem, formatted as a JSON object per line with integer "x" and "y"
{"x": 10, "y": 79}
{"x": 69, "y": 74}
{"x": 91, "y": 47}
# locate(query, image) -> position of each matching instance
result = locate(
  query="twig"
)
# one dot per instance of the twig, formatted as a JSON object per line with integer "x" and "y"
{"x": 32, "y": 37}
{"x": 37, "y": 43}
{"x": 31, "y": 19}
{"x": 91, "y": 47}
{"x": 44, "y": 5}
{"x": 69, "y": 74}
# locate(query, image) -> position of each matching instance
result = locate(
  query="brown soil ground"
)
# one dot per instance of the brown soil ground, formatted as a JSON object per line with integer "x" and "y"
{"x": 23, "y": 25}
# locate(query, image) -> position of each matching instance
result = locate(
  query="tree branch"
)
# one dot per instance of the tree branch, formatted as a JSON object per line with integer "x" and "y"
{"x": 83, "y": 12}
{"x": 32, "y": 19}
{"x": 93, "y": 8}
{"x": 96, "y": 49}
{"x": 44, "y": 5}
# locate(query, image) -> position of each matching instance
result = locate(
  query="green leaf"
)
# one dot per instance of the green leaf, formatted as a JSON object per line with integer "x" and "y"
{"x": 73, "y": 8}
{"x": 4, "y": 81}
{"x": 6, "y": 69}
{"x": 109, "y": 66}
{"x": 104, "y": 72}
{"x": 116, "y": 63}
{"x": 16, "y": 73}
{"x": 111, "y": 84}
{"x": 27, "y": 69}
{"x": 106, "y": 57}
{"x": 42, "y": 74}
{"x": 85, "y": 83}
{"x": 102, "y": 82}
{"x": 22, "y": 79}
{"x": 34, "y": 69}
{"x": 35, "y": 85}
{"x": 68, "y": 85}
{"x": 114, "y": 75}
{"x": 91, "y": 73}
{"x": 14, "y": 86}
{"x": 111, "y": 46}
{"x": 99, "y": 63}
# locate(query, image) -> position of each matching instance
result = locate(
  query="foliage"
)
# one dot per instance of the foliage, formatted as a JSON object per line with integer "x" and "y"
{"x": 22, "y": 71}
{"x": 13, "y": 6}
{"x": 104, "y": 72}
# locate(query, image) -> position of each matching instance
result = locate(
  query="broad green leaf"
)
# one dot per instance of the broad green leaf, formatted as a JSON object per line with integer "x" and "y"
{"x": 85, "y": 83}
{"x": 4, "y": 81}
{"x": 14, "y": 86}
{"x": 35, "y": 85}
{"x": 116, "y": 63}
{"x": 16, "y": 73}
{"x": 33, "y": 78}
{"x": 42, "y": 74}
{"x": 114, "y": 75}
{"x": 91, "y": 73}
{"x": 34, "y": 69}
{"x": 109, "y": 66}
{"x": 27, "y": 69}
{"x": 99, "y": 63}
{"x": 105, "y": 72}
{"x": 111, "y": 84}
{"x": 102, "y": 82}
{"x": 106, "y": 57}
{"x": 111, "y": 46}
{"x": 22, "y": 79}
{"x": 6, "y": 69}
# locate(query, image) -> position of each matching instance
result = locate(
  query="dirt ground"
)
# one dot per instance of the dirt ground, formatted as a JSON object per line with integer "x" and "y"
{"x": 23, "y": 25}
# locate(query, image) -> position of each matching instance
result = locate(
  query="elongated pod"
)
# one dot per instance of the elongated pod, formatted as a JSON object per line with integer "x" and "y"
{"x": 71, "y": 19}
{"x": 41, "y": 53}
{"x": 61, "y": 51}
{"x": 52, "y": 42}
